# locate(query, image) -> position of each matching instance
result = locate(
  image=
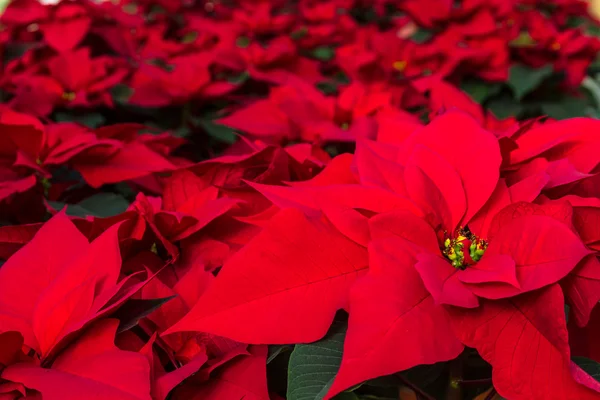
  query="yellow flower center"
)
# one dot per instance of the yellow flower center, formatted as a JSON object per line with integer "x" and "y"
{"x": 68, "y": 96}
{"x": 399, "y": 65}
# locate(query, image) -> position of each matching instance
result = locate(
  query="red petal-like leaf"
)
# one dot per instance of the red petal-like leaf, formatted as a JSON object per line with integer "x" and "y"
{"x": 543, "y": 250}
{"x": 283, "y": 287}
{"x": 525, "y": 340}
{"x": 394, "y": 322}
{"x": 92, "y": 367}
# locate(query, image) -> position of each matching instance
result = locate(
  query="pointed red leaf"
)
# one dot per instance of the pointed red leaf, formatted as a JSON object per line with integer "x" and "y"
{"x": 453, "y": 136}
{"x": 442, "y": 280}
{"x": 244, "y": 378}
{"x": 582, "y": 289}
{"x": 92, "y": 367}
{"x": 266, "y": 293}
{"x": 544, "y": 252}
{"x": 525, "y": 340}
{"x": 394, "y": 322}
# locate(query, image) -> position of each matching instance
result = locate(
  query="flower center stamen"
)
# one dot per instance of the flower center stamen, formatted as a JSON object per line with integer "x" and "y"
{"x": 464, "y": 249}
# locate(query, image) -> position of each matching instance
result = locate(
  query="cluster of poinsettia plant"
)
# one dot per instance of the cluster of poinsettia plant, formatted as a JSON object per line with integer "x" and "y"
{"x": 269, "y": 199}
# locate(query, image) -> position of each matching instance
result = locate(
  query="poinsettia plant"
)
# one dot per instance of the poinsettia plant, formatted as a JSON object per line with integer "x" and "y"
{"x": 301, "y": 200}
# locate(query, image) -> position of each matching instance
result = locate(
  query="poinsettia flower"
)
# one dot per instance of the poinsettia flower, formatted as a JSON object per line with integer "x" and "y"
{"x": 451, "y": 230}
{"x": 137, "y": 155}
{"x": 173, "y": 225}
{"x": 244, "y": 377}
{"x": 262, "y": 19}
{"x": 568, "y": 50}
{"x": 91, "y": 366}
{"x": 561, "y": 152}
{"x": 80, "y": 284}
{"x": 324, "y": 23}
{"x": 276, "y": 62}
{"x": 533, "y": 326}
{"x": 73, "y": 79}
{"x": 186, "y": 77}
{"x": 299, "y": 111}
{"x": 62, "y": 27}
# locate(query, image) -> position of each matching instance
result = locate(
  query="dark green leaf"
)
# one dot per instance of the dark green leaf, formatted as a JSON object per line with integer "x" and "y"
{"x": 312, "y": 367}
{"x": 323, "y": 53}
{"x": 566, "y": 107}
{"x": 328, "y": 87}
{"x": 220, "y": 132}
{"x": 421, "y": 35}
{"x": 133, "y": 310}
{"x": 239, "y": 79}
{"x": 424, "y": 375}
{"x": 274, "y": 351}
{"x": 589, "y": 366}
{"x": 480, "y": 91}
{"x": 523, "y": 79}
{"x": 121, "y": 93}
{"x": 91, "y": 120}
{"x": 505, "y": 106}
{"x": 105, "y": 204}
{"x": 99, "y": 205}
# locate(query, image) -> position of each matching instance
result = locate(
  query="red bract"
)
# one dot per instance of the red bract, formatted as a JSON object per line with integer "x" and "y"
{"x": 91, "y": 366}
{"x": 62, "y": 27}
{"x": 533, "y": 327}
{"x": 186, "y": 77}
{"x": 79, "y": 285}
{"x": 242, "y": 173}
{"x": 299, "y": 111}
{"x": 71, "y": 79}
{"x": 440, "y": 260}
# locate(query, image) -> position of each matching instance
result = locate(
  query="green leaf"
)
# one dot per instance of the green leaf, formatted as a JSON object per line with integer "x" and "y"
{"x": 312, "y": 367}
{"x": 589, "y": 366}
{"x": 505, "y": 106}
{"x": 220, "y": 132}
{"x": 130, "y": 313}
{"x": 421, "y": 35}
{"x": 523, "y": 79}
{"x": 91, "y": 120}
{"x": 239, "y": 79}
{"x": 274, "y": 351}
{"x": 121, "y": 93}
{"x": 566, "y": 107}
{"x": 480, "y": 91}
{"x": 328, "y": 87}
{"x": 424, "y": 375}
{"x": 99, "y": 205}
{"x": 323, "y": 53}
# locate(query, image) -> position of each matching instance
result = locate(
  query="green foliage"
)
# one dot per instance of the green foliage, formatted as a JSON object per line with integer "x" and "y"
{"x": 523, "y": 79}
{"x": 312, "y": 367}
{"x": 589, "y": 366}
{"x": 98, "y": 205}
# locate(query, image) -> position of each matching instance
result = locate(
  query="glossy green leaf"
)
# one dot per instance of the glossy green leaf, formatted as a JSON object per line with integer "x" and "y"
{"x": 524, "y": 80}
{"x": 589, "y": 366}
{"x": 312, "y": 367}
{"x": 99, "y": 205}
